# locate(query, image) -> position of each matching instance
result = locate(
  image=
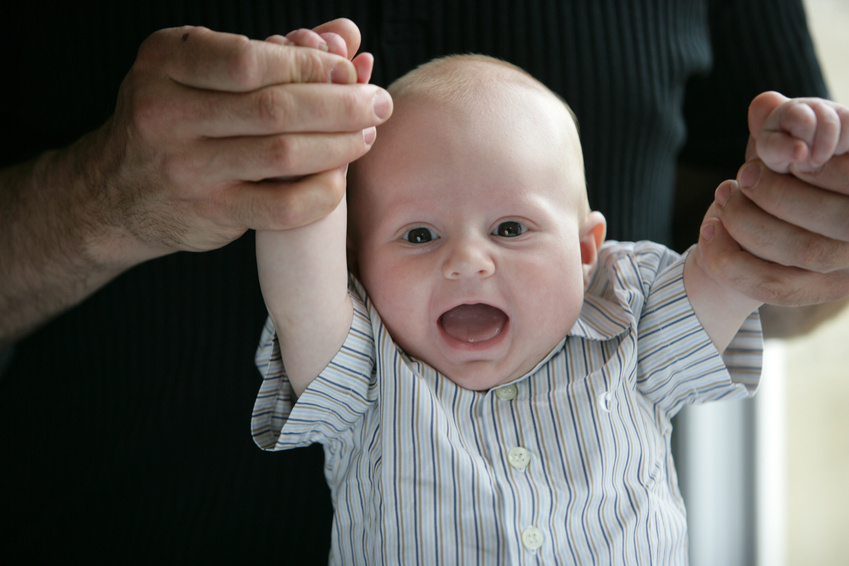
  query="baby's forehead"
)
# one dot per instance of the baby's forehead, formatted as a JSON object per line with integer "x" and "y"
{"x": 466, "y": 78}
{"x": 476, "y": 87}
{"x": 469, "y": 105}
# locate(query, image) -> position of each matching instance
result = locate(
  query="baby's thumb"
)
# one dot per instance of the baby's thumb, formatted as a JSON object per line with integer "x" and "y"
{"x": 760, "y": 109}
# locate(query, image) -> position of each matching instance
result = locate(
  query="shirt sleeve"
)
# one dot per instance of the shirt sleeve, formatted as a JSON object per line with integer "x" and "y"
{"x": 333, "y": 402}
{"x": 678, "y": 363}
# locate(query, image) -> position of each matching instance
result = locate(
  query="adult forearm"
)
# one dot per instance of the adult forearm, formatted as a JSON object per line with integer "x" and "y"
{"x": 55, "y": 246}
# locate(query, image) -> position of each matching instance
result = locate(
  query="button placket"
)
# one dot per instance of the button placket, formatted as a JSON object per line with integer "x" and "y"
{"x": 519, "y": 458}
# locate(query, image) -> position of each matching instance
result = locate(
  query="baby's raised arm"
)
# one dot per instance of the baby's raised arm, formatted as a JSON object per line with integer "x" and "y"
{"x": 801, "y": 134}
{"x": 303, "y": 272}
{"x": 304, "y": 278}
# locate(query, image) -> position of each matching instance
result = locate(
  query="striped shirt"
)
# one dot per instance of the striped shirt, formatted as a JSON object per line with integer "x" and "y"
{"x": 570, "y": 464}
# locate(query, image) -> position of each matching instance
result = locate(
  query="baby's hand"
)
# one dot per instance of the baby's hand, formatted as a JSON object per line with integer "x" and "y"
{"x": 328, "y": 41}
{"x": 800, "y": 134}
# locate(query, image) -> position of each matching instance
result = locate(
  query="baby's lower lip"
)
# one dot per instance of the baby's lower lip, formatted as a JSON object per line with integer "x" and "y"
{"x": 473, "y": 324}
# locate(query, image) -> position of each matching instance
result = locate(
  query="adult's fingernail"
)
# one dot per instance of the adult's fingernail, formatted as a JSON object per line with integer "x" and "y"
{"x": 722, "y": 193}
{"x": 369, "y": 134}
{"x": 707, "y": 231}
{"x": 382, "y": 103}
{"x": 749, "y": 175}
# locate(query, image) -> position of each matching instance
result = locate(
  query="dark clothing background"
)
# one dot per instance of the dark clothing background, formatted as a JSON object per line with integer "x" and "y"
{"x": 124, "y": 423}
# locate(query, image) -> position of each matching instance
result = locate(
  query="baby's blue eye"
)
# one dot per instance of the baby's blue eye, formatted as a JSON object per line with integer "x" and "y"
{"x": 420, "y": 235}
{"x": 509, "y": 229}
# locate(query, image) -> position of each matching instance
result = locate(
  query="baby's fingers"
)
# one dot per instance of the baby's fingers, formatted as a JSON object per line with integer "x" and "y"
{"x": 788, "y": 135}
{"x": 843, "y": 137}
{"x": 779, "y": 150}
{"x": 803, "y": 134}
{"x": 827, "y": 135}
{"x": 329, "y": 41}
{"x": 307, "y": 38}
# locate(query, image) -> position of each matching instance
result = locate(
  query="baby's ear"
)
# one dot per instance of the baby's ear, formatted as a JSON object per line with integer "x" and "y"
{"x": 592, "y": 236}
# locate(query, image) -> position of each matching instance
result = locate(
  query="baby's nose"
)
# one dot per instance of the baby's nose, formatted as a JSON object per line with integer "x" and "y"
{"x": 468, "y": 259}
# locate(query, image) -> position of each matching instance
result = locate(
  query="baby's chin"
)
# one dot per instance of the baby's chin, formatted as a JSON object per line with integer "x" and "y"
{"x": 482, "y": 376}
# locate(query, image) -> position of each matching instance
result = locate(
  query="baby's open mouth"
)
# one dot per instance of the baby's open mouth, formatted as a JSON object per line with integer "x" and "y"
{"x": 473, "y": 323}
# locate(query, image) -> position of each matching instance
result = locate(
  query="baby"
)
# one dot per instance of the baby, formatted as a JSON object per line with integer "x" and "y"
{"x": 495, "y": 383}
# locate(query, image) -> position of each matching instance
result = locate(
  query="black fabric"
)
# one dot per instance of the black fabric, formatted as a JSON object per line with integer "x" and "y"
{"x": 124, "y": 423}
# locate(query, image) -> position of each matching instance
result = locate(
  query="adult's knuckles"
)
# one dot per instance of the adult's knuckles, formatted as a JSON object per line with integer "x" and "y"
{"x": 307, "y": 200}
{"x": 841, "y": 223}
{"x": 833, "y": 176}
{"x": 284, "y": 152}
{"x": 840, "y": 285}
{"x": 768, "y": 283}
{"x": 291, "y": 209}
{"x": 355, "y": 105}
{"x": 245, "y": 66}
{"x": 341, "y": 107}
{"x": 310, "y": 65}
{"x": 182, "y": 169}
{"x": 253, "y": 65}
{"x": 325, "y": 107}
{"x": 290, "y": 212}
{"x": 274, "y": 108}
{"x": 776, "y": 292}
{"x": 149, "y": 103}
{"x": 819, "y": 254}
{"x": 801, "y": 288}
{"x": 719, "y": 260}
{"x": 151, "y": 115}
{"x": 780, "y": 285}
{"x": 304, "y": 154}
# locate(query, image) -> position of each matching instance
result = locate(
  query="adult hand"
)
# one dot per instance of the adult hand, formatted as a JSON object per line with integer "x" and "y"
{"x": 205, "y": 119}
{"x": 779, "y": 238}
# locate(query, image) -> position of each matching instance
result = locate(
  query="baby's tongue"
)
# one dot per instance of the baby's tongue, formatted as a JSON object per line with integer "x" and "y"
{"x": 473, "y": 323}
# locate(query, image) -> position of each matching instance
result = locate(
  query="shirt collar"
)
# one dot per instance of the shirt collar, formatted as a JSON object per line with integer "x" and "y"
{"x": 601, "y": 319}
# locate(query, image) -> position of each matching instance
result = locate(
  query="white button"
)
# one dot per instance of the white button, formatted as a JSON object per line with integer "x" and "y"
{"x": 507, "y": 393}
{"x": 532, "y": 538}
{"x": 606, "y": 401}
{"x": 519, "y": 458}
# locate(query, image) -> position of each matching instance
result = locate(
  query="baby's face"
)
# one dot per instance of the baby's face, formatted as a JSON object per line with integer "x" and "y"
{"x": 467, "y": 226}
